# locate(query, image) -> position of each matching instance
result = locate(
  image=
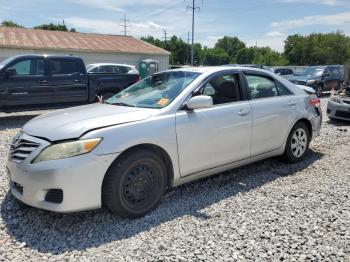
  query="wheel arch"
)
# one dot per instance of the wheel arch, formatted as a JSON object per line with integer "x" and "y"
{"x": 154, "y": 148}
{"x": 304, "y": 120}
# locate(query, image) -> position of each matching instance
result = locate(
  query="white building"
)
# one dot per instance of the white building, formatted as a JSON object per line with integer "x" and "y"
{"x": 92, "y": 48}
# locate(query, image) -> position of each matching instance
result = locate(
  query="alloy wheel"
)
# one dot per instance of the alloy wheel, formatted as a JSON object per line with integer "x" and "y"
{"x": 299, "y": 142}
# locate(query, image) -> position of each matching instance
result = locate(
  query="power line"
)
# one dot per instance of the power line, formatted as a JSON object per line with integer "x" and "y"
{"x": 125, "y": 26}
{"x": 193, "y": 8}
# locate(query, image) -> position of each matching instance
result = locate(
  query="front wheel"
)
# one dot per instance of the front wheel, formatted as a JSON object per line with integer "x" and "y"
{"x": 297, "y": 143}
{"x": 135, "y": 184}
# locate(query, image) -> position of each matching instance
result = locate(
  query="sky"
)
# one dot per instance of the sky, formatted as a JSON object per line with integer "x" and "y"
{"x": 256, "y": 22}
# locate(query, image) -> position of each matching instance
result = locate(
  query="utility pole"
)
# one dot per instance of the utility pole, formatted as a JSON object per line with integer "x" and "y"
{"x": 193, "y": 8}
{"x": 188, "y": 47}
{"x": 124, "y": 25}
{"x": 165, "y": 35}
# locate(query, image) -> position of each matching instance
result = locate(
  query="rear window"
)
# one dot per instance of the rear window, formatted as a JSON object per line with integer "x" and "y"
{"x": 64, "y": 66}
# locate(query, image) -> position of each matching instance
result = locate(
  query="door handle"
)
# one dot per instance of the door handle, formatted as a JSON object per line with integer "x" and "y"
{"x": 42, "y": 81}
{"x": 291, "y": 103}
{"x": 77, "y": 80}
{"x": 21, "y": 93}
{"x": 243, "y": 112}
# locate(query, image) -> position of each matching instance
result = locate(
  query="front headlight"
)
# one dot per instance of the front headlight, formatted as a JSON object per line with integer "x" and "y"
{"x": 310, "y": 82}
{"x": 67, "y": 149}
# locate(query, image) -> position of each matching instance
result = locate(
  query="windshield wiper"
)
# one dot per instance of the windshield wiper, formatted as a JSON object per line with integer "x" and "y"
{"x": 121, "y": 104}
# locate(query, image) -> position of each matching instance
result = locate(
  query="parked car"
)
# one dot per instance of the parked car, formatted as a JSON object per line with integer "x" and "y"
{"x": 285, "y": 72}
{"x": 110, "y": 68}
{"x": 321, "y": 78}
{"x": 168, "y": 129}
{"x": 338, "y": 106}
{"x": 54, "y": 79}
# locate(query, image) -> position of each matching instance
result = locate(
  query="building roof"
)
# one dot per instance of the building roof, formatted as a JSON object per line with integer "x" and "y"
{"x": 22, "y": 38}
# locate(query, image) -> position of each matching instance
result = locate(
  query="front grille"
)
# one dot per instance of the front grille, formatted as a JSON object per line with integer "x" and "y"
{"x": 342, "y": 114}
{"x": 21, "y": 148}
{"x": 54, "y": 196}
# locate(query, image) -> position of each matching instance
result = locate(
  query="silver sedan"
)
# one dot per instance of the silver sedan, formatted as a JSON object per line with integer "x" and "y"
{"x": 168, "y": 129}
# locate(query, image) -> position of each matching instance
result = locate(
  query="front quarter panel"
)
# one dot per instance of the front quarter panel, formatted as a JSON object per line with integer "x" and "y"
{"x": 157, "y": 130}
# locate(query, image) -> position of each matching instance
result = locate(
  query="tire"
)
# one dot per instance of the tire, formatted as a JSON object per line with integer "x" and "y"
{"x": 319, "y": 91}
{"x": 297, "y": 143}
{"x": 135, "y": 184}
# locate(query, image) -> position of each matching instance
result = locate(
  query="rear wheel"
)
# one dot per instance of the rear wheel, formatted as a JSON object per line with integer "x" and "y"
{"x": 135, "y": 184}
{"x": 297, "y": 143}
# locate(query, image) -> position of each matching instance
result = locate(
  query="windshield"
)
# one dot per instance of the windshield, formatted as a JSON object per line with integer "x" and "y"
{"x": 89, "y": 67}
{"x": 157, "y": 91}
{"x": 5, "y": 62}
{"x": 312, "y": 72}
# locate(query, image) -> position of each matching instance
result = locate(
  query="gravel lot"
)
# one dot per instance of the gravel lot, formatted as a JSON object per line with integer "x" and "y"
{"x": 265, "y": 211}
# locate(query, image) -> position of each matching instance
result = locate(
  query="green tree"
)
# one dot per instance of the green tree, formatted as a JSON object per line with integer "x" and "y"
{"x": 215, "y": 56}
{"x": 317, "y": 49}
{"x": 54, "y": 27}
{"x": 231, "y": 45}
{"x": 9, "y": 23}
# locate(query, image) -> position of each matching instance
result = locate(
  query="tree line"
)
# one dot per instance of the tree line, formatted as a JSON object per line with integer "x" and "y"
{"x": 51, "y": 26}
{"x": 313, "y": 49}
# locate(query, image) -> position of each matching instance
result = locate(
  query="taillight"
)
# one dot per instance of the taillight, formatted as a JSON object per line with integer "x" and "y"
{"x": 138, "y": 79}
{"x": 315, "y": 101}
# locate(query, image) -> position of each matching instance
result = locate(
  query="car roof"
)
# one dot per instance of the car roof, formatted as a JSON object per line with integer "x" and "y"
{"x": 46, "y": 55}
{"x": 113, "y": 64}
{"x": 214, "y": 69}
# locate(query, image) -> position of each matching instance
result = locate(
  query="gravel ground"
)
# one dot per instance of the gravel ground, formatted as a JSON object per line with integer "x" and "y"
{"x": 267, "y": 211}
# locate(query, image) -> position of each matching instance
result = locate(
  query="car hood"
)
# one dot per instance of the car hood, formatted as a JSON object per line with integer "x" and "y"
{"x": 73, "y": 122}
{"x": 301, "y": 78}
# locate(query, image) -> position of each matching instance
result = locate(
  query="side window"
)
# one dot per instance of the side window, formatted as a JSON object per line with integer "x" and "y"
{"x": 282, "y": 90}
{"x": 289, "y": 72}
{"x": 122, "y": 70}
{"x": 38, "y": 67}
{"x": 23, "y": 67}
{"x": 63, "y": 66}
{"x": 327, "y": 72}
{"x": 223, "y": 89}
{"x": 261, "y": 86}
{"x": 30, "y": 67}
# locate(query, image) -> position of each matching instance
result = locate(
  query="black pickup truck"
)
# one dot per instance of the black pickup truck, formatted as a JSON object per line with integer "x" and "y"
{"x": 55, "y": 79}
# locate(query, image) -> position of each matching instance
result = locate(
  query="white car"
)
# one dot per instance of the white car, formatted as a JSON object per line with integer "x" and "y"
{"x": 111, "y": 68}
{"x": 171, "y": 128}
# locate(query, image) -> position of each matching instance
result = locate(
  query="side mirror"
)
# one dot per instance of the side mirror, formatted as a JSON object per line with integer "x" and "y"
{"x": 10, "y": 72}
{"x": 198, "y": 102}
{"x": 327, "y": 74}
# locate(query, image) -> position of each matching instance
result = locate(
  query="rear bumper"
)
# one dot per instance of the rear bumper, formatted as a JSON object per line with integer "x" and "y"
{"x": 78, "y": 178}
{"x": 338, "y": 110}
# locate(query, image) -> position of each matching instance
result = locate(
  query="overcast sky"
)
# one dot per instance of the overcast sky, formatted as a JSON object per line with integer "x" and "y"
{"x": 265, "y": 22}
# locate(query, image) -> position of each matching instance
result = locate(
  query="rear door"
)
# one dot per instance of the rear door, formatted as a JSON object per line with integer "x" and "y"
{"x": 69, "y": 79}
{"x": 273, "y": 107}
{"x": 219, "y": 135}
{"x": 30, "y": 85}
